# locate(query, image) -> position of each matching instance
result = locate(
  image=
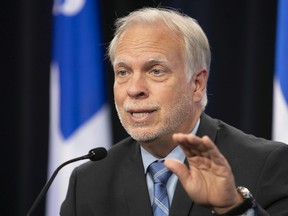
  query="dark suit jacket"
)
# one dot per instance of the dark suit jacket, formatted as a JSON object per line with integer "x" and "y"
{"x": 117, "y": 185}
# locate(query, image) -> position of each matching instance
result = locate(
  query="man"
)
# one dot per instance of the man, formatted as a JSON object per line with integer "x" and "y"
{"x": 161, "y": 61}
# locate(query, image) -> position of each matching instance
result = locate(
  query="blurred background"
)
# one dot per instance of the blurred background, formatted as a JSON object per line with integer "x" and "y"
{"x": 240, "y": 88}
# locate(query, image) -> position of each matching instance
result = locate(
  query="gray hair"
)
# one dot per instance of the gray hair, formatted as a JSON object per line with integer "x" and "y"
{"x": 197, "y": 51}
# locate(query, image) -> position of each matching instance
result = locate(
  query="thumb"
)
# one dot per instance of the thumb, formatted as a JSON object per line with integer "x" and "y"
{"x": 178, "y": 168}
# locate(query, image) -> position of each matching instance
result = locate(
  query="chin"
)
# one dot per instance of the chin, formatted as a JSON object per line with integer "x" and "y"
{"x": 143, "y": 136}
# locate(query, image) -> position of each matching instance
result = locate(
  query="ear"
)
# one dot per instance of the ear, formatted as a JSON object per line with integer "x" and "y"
{"x": 200, "y": 83}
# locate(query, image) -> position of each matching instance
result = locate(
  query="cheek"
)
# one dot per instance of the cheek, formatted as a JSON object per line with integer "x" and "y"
{"x": 118, "y": 94}
{"x": 178, "y": 91}
{"x": 168, "y": 97}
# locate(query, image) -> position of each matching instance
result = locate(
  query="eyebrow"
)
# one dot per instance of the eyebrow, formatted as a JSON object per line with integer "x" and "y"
{"x": 151, "y": 61}
{"x": 119, "y": 63}
{"x": 156, "y": 61}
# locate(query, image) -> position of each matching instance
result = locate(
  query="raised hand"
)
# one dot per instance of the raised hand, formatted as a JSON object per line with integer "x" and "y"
{"x": 208, "y": 180}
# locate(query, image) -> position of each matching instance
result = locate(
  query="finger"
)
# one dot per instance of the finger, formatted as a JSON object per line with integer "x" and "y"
{"x": 196, "y": 146}
{"x": 192, "y": 141}
{"x": 178, "y": 168}
{"x": 186, "y": 141}
{"x": 193, "y": 145}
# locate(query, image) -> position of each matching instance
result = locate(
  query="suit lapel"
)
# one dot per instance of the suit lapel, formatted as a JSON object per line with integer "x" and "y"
{"x": 208, "y": 126}
{"x": 135, "y": 186}
{"x": 181, "y": 203}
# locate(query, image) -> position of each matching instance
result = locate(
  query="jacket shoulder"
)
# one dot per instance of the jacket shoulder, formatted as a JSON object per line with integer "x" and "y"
{"x": 115, "y": 155}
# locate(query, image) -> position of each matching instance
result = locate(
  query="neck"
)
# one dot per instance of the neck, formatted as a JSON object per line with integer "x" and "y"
{"x": 162, "y": 146}
{"x": 159, "y": 147}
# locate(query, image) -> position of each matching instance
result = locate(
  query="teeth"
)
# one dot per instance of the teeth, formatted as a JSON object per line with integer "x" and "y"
{"x": 140, "y": 115}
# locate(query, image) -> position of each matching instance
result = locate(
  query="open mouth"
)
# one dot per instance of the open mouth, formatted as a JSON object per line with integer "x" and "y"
{"x": 140, "y": 115}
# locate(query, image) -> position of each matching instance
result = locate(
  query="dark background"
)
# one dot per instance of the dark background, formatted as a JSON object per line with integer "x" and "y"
{"x": 242, "y": 38}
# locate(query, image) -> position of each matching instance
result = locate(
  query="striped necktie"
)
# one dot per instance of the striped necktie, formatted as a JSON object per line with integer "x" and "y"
{"x": 160, "y": 175}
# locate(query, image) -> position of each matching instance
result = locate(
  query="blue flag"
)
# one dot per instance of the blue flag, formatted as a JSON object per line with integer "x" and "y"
{"x": 79, "y": 109}
{"x": 282, "y": 48}
{"x": 280, "y": 108}
{"x": 77, "y": 49}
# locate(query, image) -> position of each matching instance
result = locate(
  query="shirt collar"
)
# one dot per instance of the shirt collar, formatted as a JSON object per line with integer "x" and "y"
{"x": 176, "y": 153}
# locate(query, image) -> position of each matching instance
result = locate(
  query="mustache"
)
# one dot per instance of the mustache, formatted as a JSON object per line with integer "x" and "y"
{"x": 130, "y": 105}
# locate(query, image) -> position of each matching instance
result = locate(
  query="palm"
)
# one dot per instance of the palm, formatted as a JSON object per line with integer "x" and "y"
{"x": 209, "y": 180}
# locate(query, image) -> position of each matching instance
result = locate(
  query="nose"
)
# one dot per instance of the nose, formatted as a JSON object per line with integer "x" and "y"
{"x": 137, "y": 87}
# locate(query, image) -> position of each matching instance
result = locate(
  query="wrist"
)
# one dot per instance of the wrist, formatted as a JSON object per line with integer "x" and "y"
{"x": 243, "y": 204}
{"x": 222, "y": 210}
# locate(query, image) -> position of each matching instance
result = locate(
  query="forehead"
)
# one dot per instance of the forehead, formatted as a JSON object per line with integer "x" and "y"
{"x": 149, "y": 41}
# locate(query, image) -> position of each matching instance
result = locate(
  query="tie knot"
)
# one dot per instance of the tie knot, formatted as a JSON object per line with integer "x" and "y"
{"x": 158, "y": 172}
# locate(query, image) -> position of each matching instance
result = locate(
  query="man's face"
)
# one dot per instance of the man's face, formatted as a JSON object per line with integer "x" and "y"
{"x": 153, "y": 97}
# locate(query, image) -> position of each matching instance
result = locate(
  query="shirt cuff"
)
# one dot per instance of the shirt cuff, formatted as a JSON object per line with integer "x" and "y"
{"x": 250, "y": 212}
